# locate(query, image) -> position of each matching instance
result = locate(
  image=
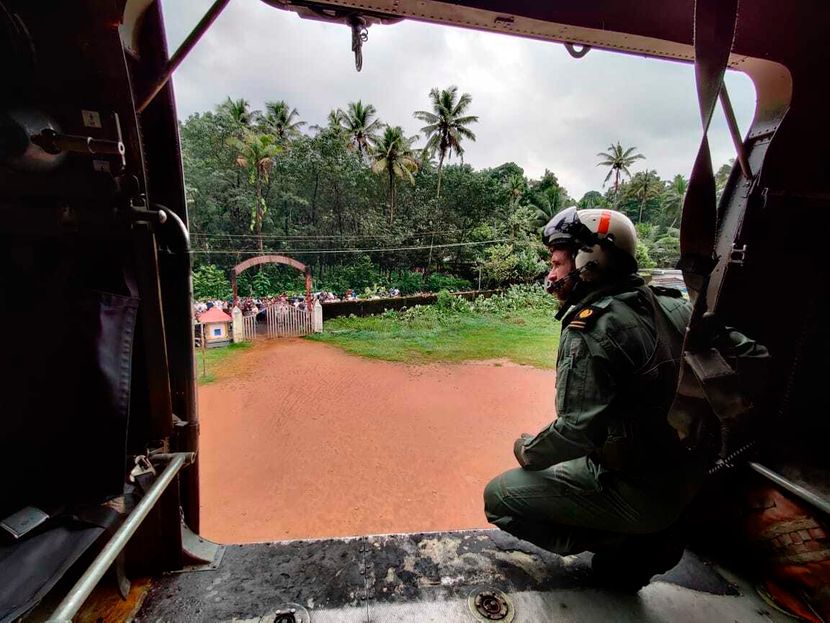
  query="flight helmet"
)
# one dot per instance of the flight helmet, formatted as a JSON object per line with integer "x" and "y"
{"x": 602, "y": 241}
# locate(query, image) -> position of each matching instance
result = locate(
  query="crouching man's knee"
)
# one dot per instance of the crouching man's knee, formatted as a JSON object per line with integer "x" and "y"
{"x": 494, "y": 507}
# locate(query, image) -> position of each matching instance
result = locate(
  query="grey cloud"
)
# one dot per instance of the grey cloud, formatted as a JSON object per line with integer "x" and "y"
{"x": 538, "y": 107}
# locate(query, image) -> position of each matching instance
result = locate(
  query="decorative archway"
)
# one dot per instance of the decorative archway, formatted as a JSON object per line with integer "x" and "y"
{"x": 272, "y": 259}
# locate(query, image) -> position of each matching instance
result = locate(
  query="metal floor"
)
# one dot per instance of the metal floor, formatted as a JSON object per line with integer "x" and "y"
{"x": 420, "y": 578}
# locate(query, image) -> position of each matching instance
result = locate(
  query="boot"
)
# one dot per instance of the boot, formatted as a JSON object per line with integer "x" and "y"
{"x": 631, "y": 566}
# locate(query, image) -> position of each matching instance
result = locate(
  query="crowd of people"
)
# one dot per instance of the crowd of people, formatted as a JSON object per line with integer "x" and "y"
{"x": 351, "y": 295}
{"x": 251, "y": 305}
{"x": 200, "y": 307}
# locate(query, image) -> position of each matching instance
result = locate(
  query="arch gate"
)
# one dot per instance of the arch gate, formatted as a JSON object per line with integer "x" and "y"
{"x": 281, "y": 319}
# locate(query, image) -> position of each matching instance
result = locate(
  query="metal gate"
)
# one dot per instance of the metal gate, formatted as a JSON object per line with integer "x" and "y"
{"x": 284, "y": 320}
{"x": 249, "y": 332}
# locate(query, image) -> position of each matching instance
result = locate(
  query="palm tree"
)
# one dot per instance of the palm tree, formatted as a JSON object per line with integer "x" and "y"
{"x": 447, "y": 124}
{"x": 334, "y": 119}
{"x": 392, "y": 154}
{"x": 516, "y": 186}
{"x": 256, "y": 153}
{"x": 673, "y": 200}
{"x": 645, "y": 186}
{"x": 239, "y": 111}
{"x": 332, "y": 125}
{"x": 547, "y": 204}
{"x": 280, "y": 121}
{"x": 618, "y": 160}
{"x": 359, "y": 125}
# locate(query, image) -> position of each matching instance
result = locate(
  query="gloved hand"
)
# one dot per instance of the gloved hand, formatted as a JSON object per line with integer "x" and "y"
{"x": 519, "y": 448}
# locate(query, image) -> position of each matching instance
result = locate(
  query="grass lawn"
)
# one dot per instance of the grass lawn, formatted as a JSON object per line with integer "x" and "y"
{"x": 206, "y": 372}
{"x": 528, "y": 337}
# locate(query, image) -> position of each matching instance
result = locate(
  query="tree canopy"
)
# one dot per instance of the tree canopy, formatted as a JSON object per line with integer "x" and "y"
{"x": 354, "y": 194}
{"x": 618, "y": 160}
{"x": 446, "y": 125}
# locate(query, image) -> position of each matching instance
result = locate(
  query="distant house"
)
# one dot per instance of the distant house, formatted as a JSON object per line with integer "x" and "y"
{"x": 216, "y": 327}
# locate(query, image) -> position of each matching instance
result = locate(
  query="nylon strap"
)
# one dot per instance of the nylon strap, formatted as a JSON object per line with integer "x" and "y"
{"x": 714, "y": 34}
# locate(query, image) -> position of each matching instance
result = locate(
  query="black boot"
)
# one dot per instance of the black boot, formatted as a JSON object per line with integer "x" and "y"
{"x": 631, "y": 566}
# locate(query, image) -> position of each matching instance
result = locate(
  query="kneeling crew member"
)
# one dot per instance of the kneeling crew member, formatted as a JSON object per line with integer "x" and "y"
{"x": 609, "y": 475}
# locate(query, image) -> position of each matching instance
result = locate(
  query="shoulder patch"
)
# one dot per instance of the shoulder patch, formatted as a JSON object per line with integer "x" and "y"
{"x": 585, "y": 317}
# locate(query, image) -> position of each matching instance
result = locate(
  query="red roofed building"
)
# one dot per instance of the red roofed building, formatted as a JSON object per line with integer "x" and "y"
{"x": 215, "y": 327}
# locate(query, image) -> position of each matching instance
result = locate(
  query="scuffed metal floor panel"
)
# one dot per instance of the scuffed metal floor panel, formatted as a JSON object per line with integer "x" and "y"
{"x": 419, "y": 578}
{"x": 659, "y": 602}
{"x": 254, "y": 580}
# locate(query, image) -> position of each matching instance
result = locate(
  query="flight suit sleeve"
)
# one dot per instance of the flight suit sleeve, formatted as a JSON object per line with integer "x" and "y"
{"x": 585, "y": 391}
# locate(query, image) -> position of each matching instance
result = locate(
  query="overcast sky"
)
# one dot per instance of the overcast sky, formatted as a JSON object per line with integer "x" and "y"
{"x": 537, "y": 106}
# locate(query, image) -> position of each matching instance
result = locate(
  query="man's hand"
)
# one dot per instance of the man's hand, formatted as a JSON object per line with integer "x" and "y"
{"x": 519, "y": 449}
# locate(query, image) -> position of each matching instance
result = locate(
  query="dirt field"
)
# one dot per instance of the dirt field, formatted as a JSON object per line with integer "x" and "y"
{"x": 302, "y": 440}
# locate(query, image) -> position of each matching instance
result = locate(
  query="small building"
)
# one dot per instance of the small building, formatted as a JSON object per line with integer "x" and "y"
{"x": 216, "y": 327}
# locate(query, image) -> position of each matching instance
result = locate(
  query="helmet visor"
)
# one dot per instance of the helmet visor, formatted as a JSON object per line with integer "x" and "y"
{"x": 560, "y": 229}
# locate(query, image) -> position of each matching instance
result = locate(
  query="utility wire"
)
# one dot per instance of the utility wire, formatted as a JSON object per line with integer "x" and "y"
{"x": 331, "y": 251}
{"x": 318, "y": 237}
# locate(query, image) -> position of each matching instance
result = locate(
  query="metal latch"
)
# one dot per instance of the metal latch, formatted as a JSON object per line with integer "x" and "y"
{"x": 23, "y": 521}
{"x": 142, "y": 466}
{"x": 737, "y": 255}
{"x": 53, "y": 142}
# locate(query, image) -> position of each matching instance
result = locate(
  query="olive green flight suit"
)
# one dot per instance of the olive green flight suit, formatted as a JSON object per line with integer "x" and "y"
{"x": 609, "y": 465}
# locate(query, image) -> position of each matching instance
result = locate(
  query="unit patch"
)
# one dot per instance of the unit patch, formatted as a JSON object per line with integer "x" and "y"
{"x": 584, "y": 318}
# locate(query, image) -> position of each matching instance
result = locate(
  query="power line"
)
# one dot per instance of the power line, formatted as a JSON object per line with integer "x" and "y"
{"x": 332, "y": 251}
{"x": 298, "y": 237}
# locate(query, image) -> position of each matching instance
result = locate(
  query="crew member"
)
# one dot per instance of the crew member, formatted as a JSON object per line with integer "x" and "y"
{"x": 609, "y": 474}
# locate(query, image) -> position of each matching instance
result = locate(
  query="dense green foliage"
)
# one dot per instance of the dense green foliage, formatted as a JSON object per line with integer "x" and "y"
{"x": 359, "y": 201}
{"x": 517, "y": 325}
{"x": 210, "y": 283}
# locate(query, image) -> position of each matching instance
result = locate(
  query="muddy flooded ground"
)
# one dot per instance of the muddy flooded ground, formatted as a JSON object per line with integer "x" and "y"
{"x": 301, "y": 440}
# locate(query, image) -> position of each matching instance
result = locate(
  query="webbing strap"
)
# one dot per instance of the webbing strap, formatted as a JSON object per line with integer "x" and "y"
{"x": 714, "y": 34}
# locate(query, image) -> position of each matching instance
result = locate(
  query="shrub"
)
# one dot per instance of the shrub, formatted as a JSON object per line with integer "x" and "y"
{"x": 644, "y": 260}
{"x": 666, "y": 252}
{"x": 408, "y": 282}
{"x": 499, "y": 263}
{"x": 437, "y": 282}
{"x": 516, "y": 298}
{"x": 374, "y": 290}
{"x": 447, "y": 302}
{"x": 530, "y": 266}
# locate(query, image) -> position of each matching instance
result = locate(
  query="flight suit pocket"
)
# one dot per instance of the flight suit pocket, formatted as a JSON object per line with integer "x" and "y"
{"x": 577, "y": 476}
{"x": 563, "y": 382}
